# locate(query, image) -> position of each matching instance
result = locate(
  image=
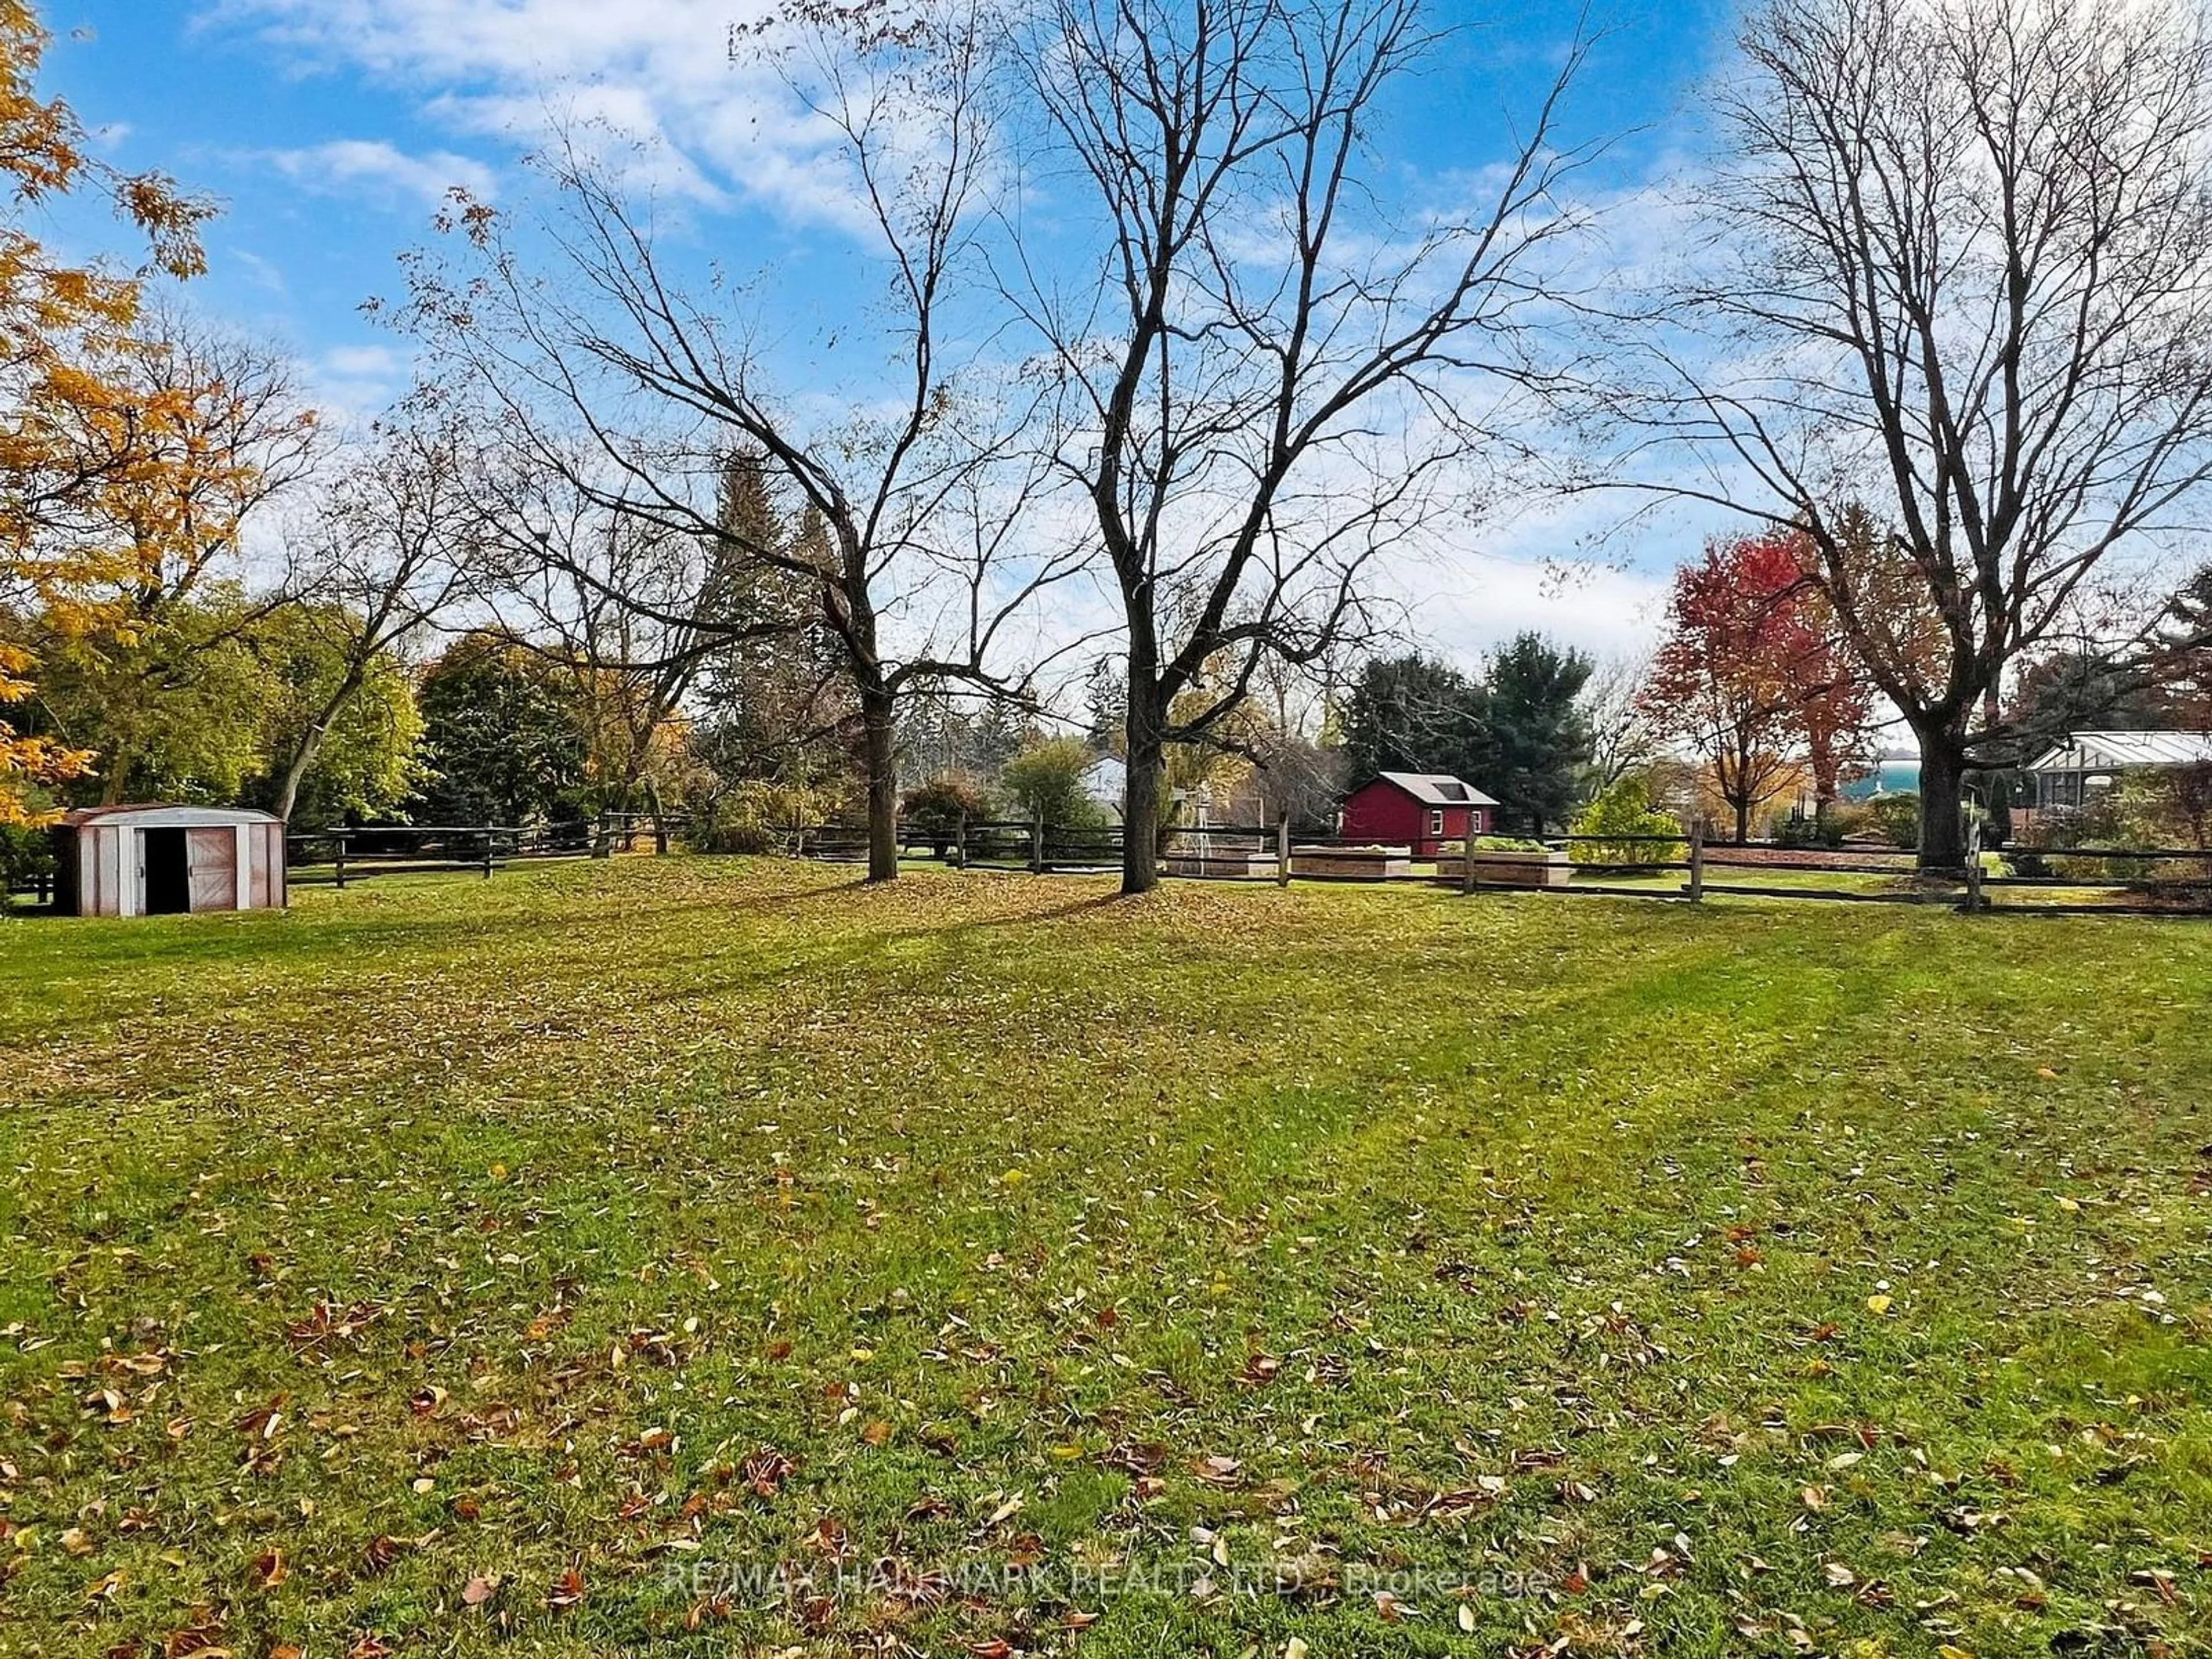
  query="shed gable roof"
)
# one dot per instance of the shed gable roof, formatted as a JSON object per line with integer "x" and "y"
{"x": 1435, "y": 788}
{"x": 160, "y": 814}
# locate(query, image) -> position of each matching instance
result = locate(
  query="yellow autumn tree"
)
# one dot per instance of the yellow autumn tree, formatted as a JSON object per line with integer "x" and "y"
{"x": 82, "y": 448}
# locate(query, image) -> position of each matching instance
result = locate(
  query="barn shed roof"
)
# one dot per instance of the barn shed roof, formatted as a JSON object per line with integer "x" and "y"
{"x": 1436, "y": 788}
{"x": 161, "y": 815}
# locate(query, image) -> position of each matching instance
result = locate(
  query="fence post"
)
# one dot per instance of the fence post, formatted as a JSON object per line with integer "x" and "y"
{"x": 960, "y": 840}
{"x": 1973, "y": 865}
{"x": 601, "y": 844}
{"x": 1037, "y": 845}
{"x": 1283, "y": 850}
{"x": 340, "y": 838}
{"x": 1696, "y": 860}
{"x": 486, "y": 853}
{"x": 1466, "y": 851}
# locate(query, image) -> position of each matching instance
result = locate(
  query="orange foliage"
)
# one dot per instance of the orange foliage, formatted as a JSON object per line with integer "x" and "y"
{"x": 79, "y": 443}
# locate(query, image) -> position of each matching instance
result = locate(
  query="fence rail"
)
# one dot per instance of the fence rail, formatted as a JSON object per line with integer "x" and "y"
{"x": 346, "y": 853}
{"x": 1618, "y": 865}
{"x": 1683, "y": 868}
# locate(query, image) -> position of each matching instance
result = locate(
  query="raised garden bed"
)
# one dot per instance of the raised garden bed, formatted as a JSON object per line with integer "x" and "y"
{"x": 1222, "y": 862}
{"x": 1353, "y": 863}
{"x": 1517, "y": 868}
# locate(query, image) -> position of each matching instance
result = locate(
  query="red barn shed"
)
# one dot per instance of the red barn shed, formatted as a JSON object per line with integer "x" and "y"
{"x": 1429, "y": 811}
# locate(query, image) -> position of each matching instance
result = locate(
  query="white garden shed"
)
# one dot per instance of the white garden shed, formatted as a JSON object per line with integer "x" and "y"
{"x": 155, "y": 860}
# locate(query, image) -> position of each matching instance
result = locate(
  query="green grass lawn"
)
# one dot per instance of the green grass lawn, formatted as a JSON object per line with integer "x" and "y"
{"x": 718, "y": 1257}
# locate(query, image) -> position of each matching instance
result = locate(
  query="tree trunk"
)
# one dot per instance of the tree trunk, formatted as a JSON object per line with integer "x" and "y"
{"x": 1743, "y": 804}
{"x": 310, "y": 740}
{"x": 878, "y": 721}
{"x": 1942, "y": 798}
{"x": 1147, "y": 768}
{"x": 303, "y": 757}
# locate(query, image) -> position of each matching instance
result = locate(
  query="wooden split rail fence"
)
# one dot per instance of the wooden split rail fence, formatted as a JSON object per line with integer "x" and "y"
{"x": 349, "y": 854}
{"x": 2042, "y": 881}
{"x": 1686, "y": 868}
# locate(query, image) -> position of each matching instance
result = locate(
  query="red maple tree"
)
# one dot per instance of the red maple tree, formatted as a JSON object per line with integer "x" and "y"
{"x": 1754, "y": 676}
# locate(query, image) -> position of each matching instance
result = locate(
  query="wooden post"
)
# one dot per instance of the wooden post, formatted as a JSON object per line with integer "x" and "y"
{"x": 1696, "y": 860}
{"x": 1466, "y": 851}
{"x": 1037, "y": 845}
{"x": 486, "y": 853}
{"x": 1283, "y": 850}
{"x": 1973, "y": 865}
{"x": 339, "y": 836}
{"x": 960, "y": 840}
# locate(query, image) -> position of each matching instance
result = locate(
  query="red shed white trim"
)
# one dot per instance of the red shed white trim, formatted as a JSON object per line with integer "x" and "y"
{"x": 167, "y": 860}
{"x": 1427, "y": 812}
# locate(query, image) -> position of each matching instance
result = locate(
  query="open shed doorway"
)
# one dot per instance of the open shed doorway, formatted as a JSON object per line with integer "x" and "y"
{"x": 164, "y": 858}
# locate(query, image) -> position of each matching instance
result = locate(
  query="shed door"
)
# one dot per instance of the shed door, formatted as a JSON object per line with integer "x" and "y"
{"x": 214, "y": 854}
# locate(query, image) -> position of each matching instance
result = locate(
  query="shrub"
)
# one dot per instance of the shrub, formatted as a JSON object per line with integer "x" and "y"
{"x": 25, "y": 855}
{"x": 1792, "y": 829}
{"x": 2100, "y": 824}
{"x": 2170, "y": 808}
{"x": 1895, "y": 819}
{"x": 754, "y": 817}
{"x": 1045, "y": 781}
{"x": 1847, "y": 821}
{"x": 938, "y": 808}
{"x": 1625, "y": 809}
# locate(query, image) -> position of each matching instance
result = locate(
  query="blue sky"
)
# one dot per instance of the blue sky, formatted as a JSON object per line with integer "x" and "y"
{"x": 328, "y": 130}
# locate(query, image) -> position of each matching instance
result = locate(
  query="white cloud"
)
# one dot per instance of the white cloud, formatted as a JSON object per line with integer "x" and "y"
{"x": 662, "y": 73}
{"x": 1602, "y": 610}
{"x": 355, "y": 383}
{"x": 371, "y": 168}
{"x": 264, "y": 273}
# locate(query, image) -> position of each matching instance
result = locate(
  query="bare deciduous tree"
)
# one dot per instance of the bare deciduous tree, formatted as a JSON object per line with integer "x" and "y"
{"x": 629, "y": 609}
{"x": 386, "y": 556}
{"x": 1622, "y": 738}
{"x": 668, "y": 390}
{"x": 1269, "y": 377}
{"x": 1956, "y": 269}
